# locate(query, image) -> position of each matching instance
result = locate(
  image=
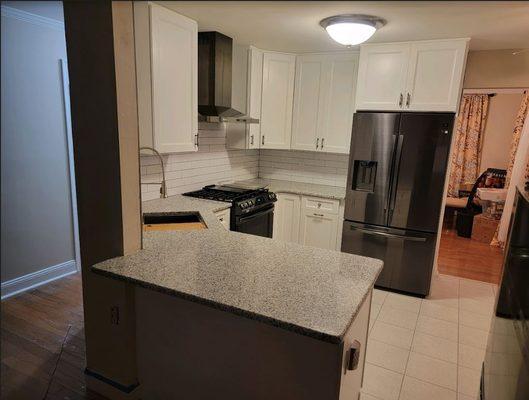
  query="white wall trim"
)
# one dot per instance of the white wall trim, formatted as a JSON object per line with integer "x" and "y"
{"x": 30, "y": 281}
{"x": 71, "y": 163}
{"x": 34, "y": 19}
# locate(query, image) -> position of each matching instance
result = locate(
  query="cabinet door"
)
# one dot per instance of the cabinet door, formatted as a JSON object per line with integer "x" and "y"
{"x": 382, "y": 74}
{"x": 309, "y": 96}
{"x": 174, "y": 80}
{"x": 341, "y": 74}
{"x": 318, "y": 229}
{"x": 276, "y": 106}
{"x": 255, "y": 88}
{"x": 435, "y": 75}
{"x": 286, "y": 217}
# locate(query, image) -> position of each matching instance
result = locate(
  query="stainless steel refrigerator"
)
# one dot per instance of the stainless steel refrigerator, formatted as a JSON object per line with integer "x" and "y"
{"x": 395, "y": 183}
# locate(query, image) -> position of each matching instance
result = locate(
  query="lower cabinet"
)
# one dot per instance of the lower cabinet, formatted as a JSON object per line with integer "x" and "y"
{"x": 318, "y": 229}
{"x": 286, "y": 217}
{"x": 310, "y": 221}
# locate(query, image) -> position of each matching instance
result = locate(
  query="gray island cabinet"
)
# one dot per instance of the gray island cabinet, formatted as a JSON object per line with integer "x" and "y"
{"x": 225, "y": 315}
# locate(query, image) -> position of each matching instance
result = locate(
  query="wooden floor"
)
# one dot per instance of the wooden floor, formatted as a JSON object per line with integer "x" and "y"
{"x": 468, "y": 258}
{"x": 43, "y": 346}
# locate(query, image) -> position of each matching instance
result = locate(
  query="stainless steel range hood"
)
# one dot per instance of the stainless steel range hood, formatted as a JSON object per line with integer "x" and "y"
{"x": 222, "y": 76}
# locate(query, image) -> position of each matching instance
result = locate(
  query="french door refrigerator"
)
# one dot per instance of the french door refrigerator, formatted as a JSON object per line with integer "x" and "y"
{"x": 395, "y": 183}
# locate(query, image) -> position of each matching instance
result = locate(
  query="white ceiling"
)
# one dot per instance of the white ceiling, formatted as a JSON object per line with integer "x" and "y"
{"x": 293, "y": 25}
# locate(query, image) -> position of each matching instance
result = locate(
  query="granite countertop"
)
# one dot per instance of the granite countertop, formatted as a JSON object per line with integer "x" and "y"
{"x": 307, "y": 189}
{"x": 311, "y": 291}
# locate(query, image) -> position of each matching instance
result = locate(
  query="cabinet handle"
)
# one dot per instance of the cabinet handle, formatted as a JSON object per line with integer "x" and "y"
{"x": 322, "y": 140}
{"x": 317, "y": 143}
{"x": 262, "y": 140}
{"x": 318, "y": 215}
{"x": 196, "y": 139}
{"x": 354, "y": 355}
{"x": 408, "y": 99}
{"x": 251, "y": 140}
{"x": 401, "y": 99}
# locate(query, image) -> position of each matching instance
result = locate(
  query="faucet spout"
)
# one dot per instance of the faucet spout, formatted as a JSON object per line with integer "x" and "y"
{"x": 163, "y": 185}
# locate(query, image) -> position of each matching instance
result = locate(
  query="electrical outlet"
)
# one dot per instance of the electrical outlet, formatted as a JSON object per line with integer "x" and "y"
{"x": 114, "y": 315}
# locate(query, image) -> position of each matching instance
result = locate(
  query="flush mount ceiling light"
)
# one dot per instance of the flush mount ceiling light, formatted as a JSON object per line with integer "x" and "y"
{"x": 351, "y": 29}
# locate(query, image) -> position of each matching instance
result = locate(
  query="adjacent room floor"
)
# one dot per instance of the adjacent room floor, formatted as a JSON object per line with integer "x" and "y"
{"x": 469, "y": 258}
{"x": 43, "y": 343}
{"x": 418, "y": 349}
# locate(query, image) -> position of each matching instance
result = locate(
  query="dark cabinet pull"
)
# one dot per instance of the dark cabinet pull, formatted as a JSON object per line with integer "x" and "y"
{"x": 401, "y": 99}
{"x": 317, "y": 143}
{"x": 408, "y": 99}
{"x": 322, "y": 140}
{"x": 251, "y": 140}
{"x": 196, "y": 139}
{"x": 354, "y": 355}
{"x": 262, "y": 140}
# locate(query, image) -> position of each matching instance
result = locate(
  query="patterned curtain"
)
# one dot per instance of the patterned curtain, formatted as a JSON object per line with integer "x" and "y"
{"x": 518, "y": 126}
{"x": 466, "y": 153}
{"x": 517, "y": 133}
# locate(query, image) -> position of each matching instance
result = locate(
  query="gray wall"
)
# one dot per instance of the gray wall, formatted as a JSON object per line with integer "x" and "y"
{"x": 36, "y": 220}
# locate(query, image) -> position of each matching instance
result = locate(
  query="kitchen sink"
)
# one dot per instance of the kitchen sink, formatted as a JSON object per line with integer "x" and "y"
{"x": 179, "y": 221}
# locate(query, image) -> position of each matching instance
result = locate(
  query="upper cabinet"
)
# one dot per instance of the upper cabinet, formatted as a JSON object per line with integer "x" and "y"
{"x": 276, "y": 100}
{"x": 166, "y": 67}
{"x": 324, "y": 102}
{"x": 413, "y": 76}
{"x": 255, "y": 89}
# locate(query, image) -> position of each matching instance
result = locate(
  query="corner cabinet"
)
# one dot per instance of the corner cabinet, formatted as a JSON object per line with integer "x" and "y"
{"x": 324, "y": 102}
{"x": 411, "y": 76}
{"x": 166, "y": 68}
{"x": 276, "y": 101}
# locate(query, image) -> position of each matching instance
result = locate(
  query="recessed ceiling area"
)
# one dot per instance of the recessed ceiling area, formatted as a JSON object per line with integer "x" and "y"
{"x": 293, "y": 26}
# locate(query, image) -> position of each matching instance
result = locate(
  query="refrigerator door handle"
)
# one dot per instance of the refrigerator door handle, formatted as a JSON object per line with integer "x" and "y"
{"x": 395, "y": 177}
{"x": 391, "y": 169}
{"x": 389, "y": 235}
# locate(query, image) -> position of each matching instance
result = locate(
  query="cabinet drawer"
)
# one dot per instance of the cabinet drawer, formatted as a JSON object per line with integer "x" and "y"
{"x": 324, "y": 205}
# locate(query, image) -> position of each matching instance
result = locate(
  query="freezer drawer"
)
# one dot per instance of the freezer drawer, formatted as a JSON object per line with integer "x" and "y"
{"x": 408, "y": 256}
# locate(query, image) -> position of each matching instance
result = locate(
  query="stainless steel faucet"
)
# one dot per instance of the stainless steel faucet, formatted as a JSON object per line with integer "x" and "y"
{"x": 163, "y": 186}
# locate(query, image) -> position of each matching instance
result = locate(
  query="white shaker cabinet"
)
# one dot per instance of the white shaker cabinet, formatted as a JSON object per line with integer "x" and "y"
{"x": 324, "y": 98}
{"x": 255, "y": 90}
{"x": 276, "y": 100}
{"x": 309, "y": 102}
{"x": 286, "y": 217}
{"x": 411, "y": 76}
{"x": 166, "y": 58}
{"x": 340, "y": 102}
{"x": 435, "y": 75}
{"x": 382, "y": 75}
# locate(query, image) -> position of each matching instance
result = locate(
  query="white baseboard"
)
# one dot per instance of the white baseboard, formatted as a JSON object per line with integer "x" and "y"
{"x": 30, "y": 281}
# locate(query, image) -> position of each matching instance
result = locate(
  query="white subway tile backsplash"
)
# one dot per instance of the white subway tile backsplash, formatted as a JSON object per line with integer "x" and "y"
{"x": 304, "y": 166}
{"x": 214, "y": 163}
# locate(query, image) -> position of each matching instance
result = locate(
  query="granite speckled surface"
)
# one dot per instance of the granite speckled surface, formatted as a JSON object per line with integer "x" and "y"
{"x": 307, "y": 189}
{"x": 310, "y": 291}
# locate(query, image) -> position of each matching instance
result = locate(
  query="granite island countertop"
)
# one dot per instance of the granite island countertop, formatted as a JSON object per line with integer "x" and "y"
{"x": 311, "y": 291}
{"x": 302, "y": 188}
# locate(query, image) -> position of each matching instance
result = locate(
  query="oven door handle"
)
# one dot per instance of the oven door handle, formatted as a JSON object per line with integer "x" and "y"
{"x": 258, "y": 214}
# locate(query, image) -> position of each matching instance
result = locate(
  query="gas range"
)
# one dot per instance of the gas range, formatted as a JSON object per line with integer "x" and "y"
{"x": 252, "y": 210}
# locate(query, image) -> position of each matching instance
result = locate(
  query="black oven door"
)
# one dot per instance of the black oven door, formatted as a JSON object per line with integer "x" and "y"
{"x": 260, "y": 222}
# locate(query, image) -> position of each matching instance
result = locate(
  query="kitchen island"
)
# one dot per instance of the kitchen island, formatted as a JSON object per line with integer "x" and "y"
{"x": 222, "y": 314}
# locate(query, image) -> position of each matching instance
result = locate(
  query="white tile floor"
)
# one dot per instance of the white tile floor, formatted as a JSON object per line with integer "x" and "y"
{"x": 429, "y": 349}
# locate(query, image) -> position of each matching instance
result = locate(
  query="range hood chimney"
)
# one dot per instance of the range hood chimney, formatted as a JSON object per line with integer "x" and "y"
{"x": 215, "y": 75}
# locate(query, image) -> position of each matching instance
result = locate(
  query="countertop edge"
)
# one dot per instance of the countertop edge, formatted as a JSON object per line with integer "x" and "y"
{"x": 235, "y": 310}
